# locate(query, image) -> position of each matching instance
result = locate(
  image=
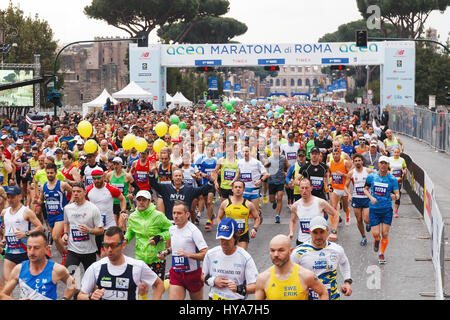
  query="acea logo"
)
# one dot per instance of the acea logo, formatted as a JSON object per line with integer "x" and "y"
{"x": 145, "y": 55}
{"x": 183, "y": 50}
{"x": 373, "y": 48}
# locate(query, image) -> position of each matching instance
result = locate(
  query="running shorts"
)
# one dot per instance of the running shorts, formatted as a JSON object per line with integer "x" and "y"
{"x": 377, "y": 216}
{"x": 360, "y": 202}
{"x": 274, "y": 188}
{"x": 188, "y": 280}
{"x": 53, "y": 218}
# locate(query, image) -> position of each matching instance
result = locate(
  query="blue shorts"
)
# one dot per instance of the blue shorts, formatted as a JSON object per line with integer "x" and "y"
{"x": 360, "y": 202}
{"x": 53, "y": 218}
{"x": 251, "y": 193}
{"x": 377, "y": 216}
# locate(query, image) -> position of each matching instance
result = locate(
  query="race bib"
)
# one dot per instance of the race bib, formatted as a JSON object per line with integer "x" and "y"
{"x": 304, "y": 226}
{"x": 115, "y": 295}
{"x": 380, "y": 189}
{"x": 246, "y": 177}
{"x": 216, "y": 297}
{"x": 229, "y": 174}
{"x": 53, "y": 207}
{"x": 397, "y": 173}
{"x": 360, "y": 191}
{"x": 337, "y": 179}
{"x": 241, "y": 225}
{"x": 317, "y": 182}
{"x": 118, "y": 186}
{"x": 291, "y": 155}
{"x": 104, "y": 219}
{"x": 180, "y": 264}
{"x": 314, "y": 296}
{"x": 78, "y": 236}
{"x": 141, "y": 176}
{"x": 12, "y": 242}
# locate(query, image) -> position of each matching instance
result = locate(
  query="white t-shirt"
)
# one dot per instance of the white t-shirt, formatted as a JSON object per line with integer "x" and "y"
{"x": 251, "y": 171}
{"x": 141, "y": 273}
{"x": 290, "y": 152}
{"x": 104, "y": 200}
{"x": 87, "y": 214}
{"x": 305, "y": 215}
{"x": 238, "y": 267}
{"x": 190, "y": 239}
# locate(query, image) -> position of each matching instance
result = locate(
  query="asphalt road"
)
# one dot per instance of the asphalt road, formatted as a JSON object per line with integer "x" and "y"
{"x": 401, "y": 278}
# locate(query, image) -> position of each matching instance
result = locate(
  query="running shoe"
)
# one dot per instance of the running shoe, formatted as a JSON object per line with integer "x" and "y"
{"x": 208, "y": 225}
{"x": 347, "y": 220}
{"x": 381, "y": 258}
{"x": 376, "y": 245}
{"x": 363, "y": 242}
{"x": 396, "y": 214}
{"x": 274, "y": 205}
{"x": 265, "y": 199}
{"x": 277, "y": 218}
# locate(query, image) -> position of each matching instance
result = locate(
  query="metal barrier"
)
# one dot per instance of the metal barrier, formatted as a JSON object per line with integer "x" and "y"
{"x": 430, "y": 127}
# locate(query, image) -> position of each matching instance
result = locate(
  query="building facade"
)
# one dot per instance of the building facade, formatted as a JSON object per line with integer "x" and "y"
{"x": 90, "y": 68}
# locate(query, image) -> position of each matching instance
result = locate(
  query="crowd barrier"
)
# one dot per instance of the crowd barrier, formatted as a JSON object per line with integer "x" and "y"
{"x": 420, "y": 189}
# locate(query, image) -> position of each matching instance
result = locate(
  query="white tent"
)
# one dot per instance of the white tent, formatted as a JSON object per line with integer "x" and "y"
{"x": 235, "y": 99}
{"x": 179, "y": 99}
{"x": 132, "y": 91}
{"x": 169, "y": 98}
{"x": 98, "y": 103}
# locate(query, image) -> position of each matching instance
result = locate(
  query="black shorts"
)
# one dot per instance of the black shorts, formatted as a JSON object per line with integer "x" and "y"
{"x": 226, "y": 193}
{"x": 17, "y": 258}
{"x": 116, "y": 208}
{"x": 99, "y": 242}
{"x": 244, "y": 238}
{"x": 211, "y": 190}
{"x": 274, "y": 188}
{"x": 74, "y": 259}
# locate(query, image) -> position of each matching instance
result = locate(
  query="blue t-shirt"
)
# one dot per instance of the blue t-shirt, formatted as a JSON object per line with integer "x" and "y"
{"x": 206, "y": 165}
{"x": 350, "y": 150}
{"x": 381, "y": 188}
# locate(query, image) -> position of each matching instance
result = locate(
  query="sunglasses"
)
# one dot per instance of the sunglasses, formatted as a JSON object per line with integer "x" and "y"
{"x": 97, "y": 177}
{"x": 112, "y": 245}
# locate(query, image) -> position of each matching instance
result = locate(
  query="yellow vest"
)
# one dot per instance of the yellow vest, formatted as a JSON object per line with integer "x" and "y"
{"x": 239, "y": 213}
{"x": 289, "y": 289}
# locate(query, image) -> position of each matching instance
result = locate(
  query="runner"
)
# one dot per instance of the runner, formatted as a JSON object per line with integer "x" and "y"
{"x": 228, "y": 167}
{"x": 102, "y": 194}
{"x": 91, "y": 165}
{"x": 188, "y": 248}
{"x": 228, "y": 269}
{"x": 81, "y": 220}
{"x": 20, "y": 160}
{"x": 378, "y": 188}
{"x": 239, "y": 209}
{"x": 289, "y": 150}
{"x": 359, "y": 201}
{"x": 372, "y": 156}
{"x": 391, "y": 142}
{"x": 276, "y": 166}
{"x": 118, "y": 277}
{"x": 17, "y": 219}
{"x": 150, "y": 227}
{"x": 307, "y": 208}
{"x": 317, "y": 172}
{"x": 398, "y": 169}
{"x": 37, "y": 276}
{"x": 53, "y": 195}
{"x": 122, "y": 180}
{"x": 339, "y": 169}
{"x": 286, "y": 280}
{"x": 294, "y": 172}
{"x": 324, "y": 258}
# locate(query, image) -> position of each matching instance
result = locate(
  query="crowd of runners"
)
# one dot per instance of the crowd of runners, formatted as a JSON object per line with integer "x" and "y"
{"x": 88, "y": 205}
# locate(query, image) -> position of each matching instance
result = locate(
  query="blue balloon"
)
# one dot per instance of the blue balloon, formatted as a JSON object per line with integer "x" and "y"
{"x": 269, "y": 114}
{"x": 253, "y": 102}
{"x": 268, "y": 106}
{"x": 246, "y": 110}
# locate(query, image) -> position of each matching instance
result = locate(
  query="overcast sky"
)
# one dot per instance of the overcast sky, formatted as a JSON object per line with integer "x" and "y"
{"x": 268, "y": 21}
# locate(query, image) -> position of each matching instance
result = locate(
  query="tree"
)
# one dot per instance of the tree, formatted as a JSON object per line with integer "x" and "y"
{"x": 32, "y": 35}
{"x": 407, "y": 16}
{"x": 207, "y": 30}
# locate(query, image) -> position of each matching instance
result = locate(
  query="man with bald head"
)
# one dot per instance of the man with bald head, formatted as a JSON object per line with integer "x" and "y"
{"x": 286, "y": 280}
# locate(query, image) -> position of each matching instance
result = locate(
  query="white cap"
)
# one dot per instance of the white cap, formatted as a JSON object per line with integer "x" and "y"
{"x": 318, "y": 222}
{"x": 4, "y": 137}
{"x": 145, "y": 194}
{"x": 117, "y": 159}
{"x": 19, "y": 141}
{"x": 383, "y": 159}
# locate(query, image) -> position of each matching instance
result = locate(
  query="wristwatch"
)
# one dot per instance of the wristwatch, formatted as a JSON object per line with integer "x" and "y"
{"x": 333, "y": 231}
{"x": 27, "y": 233}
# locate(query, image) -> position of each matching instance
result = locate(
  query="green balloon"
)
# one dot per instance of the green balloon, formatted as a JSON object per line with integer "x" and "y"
{"x": 214, "y": 107}
{"x": 281, "y": 110}
{"x": 233, "y": 103}
{"x": 182, "y": 125}
{"x": 209, "y": 103}
{"x": 174, "y": 119}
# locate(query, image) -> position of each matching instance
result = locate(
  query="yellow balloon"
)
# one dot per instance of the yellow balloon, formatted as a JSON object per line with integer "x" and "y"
{"x": 90, "y": 146}
{"x": 158, "y": 145}
{"x": 141, "y": 144}
{"x": 174, "y": 131}
{"x": 161, "y": 129}
{"x": 129, "y": 141}
{"x": 85, "y": 129}
{"x": 166, "y": 284}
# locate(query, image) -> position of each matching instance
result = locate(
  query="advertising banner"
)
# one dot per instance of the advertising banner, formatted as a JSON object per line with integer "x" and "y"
{"x": 213, "y": 83}
{"x": 251, "y": 90}
{"x": 237, "y": 88}
{"x": 227, "y": 86}
{"x": 398, "y": 76}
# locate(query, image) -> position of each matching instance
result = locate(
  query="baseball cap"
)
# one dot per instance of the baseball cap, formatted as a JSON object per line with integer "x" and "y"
{"x": 97, "y": 172}
{"x": 314, "y": 149}
{"x": 19, "y": 141}
{"x": 383, "y": 159}
{"x": 83, "y": 158}
{"x": 4, "y": 137}
{"x": 344, "y": 129}
{"x": 226, "y": 228}
{"x": 58, "y": 150}
{"x": 373, "y": 143}
{"x": 291, "y": 135}
{"x": 318, "y": 222}
{"x": 145, "y": 194}
{"x": 13, "y": 190}
{"x": 117, "y": 159}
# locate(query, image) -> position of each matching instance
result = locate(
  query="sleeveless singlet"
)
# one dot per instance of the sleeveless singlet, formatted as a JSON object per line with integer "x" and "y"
{"x": 289, "y": 289}
{"x": 305, "y": 214}
{"x": 141, "y": 175}
{"x": 119, "y": 182}
{"x": 165, "y": 175}
{"x": 120, "y": 287}
{"x": 240, "y": 213}
{"x": 227, "y": 173}
{"x": 359, "y": 181}
{"x": 37, "y": 287}
{"x": 337, "y": 182}
{"x": 55, "y": 199}
{"x": 12, "y": 223}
